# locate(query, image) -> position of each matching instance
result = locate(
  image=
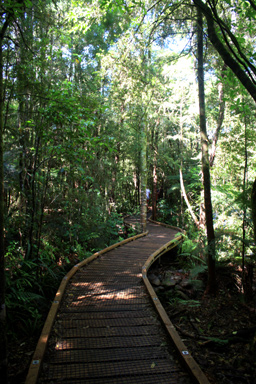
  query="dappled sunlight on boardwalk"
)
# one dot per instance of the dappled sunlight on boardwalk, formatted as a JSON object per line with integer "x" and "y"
{"x": 106, "y": 330}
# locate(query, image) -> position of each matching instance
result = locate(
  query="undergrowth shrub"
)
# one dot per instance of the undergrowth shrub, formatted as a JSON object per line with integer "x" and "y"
{"x": 30, "y": 287}
{"x": 31, "y": 284}
{"x": 166, "y": 213}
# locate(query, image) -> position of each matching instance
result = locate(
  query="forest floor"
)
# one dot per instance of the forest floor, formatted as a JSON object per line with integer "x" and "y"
{"x": 20, "y": 354}
{"x": 219, "y": 331}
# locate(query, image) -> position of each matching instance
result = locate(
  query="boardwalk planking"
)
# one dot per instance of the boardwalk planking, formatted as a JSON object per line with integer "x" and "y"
{"x": 106, "y": 329}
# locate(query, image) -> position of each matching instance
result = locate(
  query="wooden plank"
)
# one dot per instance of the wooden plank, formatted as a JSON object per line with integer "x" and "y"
{"x": 108, "y": 342}
{"x": 116, "y": 354}
{"x": 107, "y": 331}
{"x": 38, "y": 356}
{"x": 115, "y": 322}
{"x": 113, "y": 369}
{"x": 106, "y": 308}
{"x": 146, "y": 378}
{"x": 99, "y": 293}
{"x": 106, "y": 315}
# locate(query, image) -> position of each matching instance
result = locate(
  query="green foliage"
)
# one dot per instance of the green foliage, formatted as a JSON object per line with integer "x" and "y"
{"x": 192, "y": 255}
{"x": 175, "y": 300}
{"x": 29, "y": 288}
{"x": 21, "y": 299}
{"x": 31, "y": 284}
{"x": 217, "y": 341}
{"x": 195, "y": 271}
{"x": 74, "y": 108}
{"x": 167, "y": 213}
{"x": 189, "y": 303}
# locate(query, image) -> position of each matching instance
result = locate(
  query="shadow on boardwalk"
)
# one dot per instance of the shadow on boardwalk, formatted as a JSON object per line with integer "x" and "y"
{"x": 106, "y": 330}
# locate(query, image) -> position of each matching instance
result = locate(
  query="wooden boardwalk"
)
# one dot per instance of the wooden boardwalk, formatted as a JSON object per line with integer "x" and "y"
{"x": 107, "y": 329}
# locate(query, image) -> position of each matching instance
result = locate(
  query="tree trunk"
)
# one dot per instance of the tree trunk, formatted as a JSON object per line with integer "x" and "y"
{"x": 143, "y": 177}
{"x": 3, "y": 338}
{"x": 220, "y": 118}
{"x": 211, "y": 286}
{"x": 244, "y": 190}
{"x": 154, "y": 192}
{"x": 183, "y": 194}
{"x": 253, "y": 205}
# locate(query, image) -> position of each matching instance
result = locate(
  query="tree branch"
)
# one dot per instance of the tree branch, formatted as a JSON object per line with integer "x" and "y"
{"x": 187, "y": 202}
{"x": 23, "y": 38}
{"x": 224, "y": 53}
{"x": 224, "y": 29}
{"x": 253, "y": 4}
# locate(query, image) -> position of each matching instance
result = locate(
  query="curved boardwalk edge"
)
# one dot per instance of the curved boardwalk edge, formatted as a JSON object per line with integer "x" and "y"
{"x": 36, "y": 363}
{"x": 167, "y": 225}
{"x": 189, "y": 362}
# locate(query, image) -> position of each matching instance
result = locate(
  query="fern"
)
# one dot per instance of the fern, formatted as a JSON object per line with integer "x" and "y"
{"x": 196, "y": 270}
{"x": 23, "y": 297}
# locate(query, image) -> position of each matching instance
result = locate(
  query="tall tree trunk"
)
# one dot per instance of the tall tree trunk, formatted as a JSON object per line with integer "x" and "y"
{"x": 211, "y": 286}
{"x": 220, "y": 118}
{"x": 247, "y": 275}
{"x": 253, "y": 206}
{"x": 183, "y": 194}
{"x": 154, "y": 192}
{"x": 143, "y": 177}
{"x": 244, "y": 190}
{"x": 146, "y": 59}
{"x": 3, "y": 338}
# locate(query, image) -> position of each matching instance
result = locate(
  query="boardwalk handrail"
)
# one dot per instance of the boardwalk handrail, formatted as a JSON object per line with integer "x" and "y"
{"x": 191, "y": 365}
{"x": 36, "y": 363}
